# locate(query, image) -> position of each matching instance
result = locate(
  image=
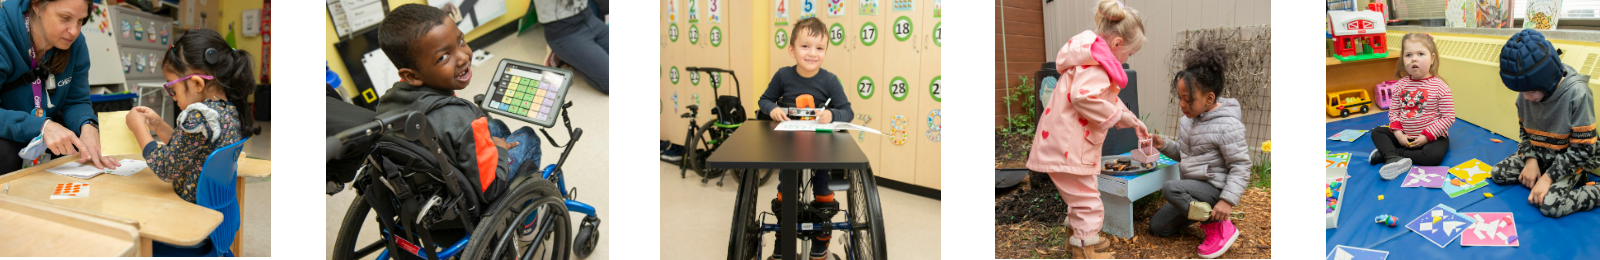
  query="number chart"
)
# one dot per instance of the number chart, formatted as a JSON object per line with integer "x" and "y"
{"x": 528, "y": 92}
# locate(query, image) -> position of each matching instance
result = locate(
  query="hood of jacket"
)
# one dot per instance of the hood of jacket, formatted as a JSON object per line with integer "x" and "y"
{"x": 1088, "y": 49}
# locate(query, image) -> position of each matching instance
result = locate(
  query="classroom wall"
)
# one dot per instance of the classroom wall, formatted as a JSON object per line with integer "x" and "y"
{"x": 755, "y": 56}
{"x": 232, "y": 12}
{"x": 1470, "y": 65}
{"x": 1163, "y": 20}
{"x": 515, "y": 9}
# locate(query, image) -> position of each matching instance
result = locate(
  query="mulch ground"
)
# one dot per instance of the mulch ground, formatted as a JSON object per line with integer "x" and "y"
{"x": 1030, "y": 223}
{"x": 1011, "y": 151}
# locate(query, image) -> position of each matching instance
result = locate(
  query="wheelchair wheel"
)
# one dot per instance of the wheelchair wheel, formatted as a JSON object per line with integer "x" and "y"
{"x": 744, "y": 240}
{"x": 588, "y": 237}
{"x": 498, "y": 235}
{"x": 866, "y": 220}
{"x": 345, "y": 247}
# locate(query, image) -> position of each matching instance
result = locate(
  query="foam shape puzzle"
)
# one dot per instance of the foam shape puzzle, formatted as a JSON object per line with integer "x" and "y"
{"x": 1343, "y": 252}
{"x": 1441, "y": 225}
{"x": 1334, "y": 189}
{"x": 1348, "y": 135}
{"x": 1338, "y": 165}
{"x": 1491, "y": 229}
{"x": 1425, "y": 176}
{"x": 1467, "y": 177}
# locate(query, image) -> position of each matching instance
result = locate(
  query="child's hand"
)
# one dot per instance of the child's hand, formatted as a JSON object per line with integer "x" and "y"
{"x": 501, "y": 142}
{"x": 149, "y": 115}
{"x": 1530, "y": 173}
{"x": 778, "y": 115}
{"x": 1404, "y": 139}
{"x": 1221, "y": 210}
{"x": 824, "y": 116}
{"x": 1157, "y": 141}
{"x": 1539, "y": 190}
{"x": 1417, "y": 141}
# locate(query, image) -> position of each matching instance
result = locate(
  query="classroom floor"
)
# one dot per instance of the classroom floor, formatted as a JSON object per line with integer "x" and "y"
{"x": 257, "y": 239}
{"x": 704, "y": 211}
{"x": 586, "y": 169}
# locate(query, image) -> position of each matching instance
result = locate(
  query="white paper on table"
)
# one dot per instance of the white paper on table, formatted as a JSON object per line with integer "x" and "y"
{"x": 129, "y": 167}
{"x": 76, "y": 170}
{"x": 812, "y": 125}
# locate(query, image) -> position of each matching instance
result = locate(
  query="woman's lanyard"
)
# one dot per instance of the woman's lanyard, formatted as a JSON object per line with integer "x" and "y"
{"x": 33, "y": 64}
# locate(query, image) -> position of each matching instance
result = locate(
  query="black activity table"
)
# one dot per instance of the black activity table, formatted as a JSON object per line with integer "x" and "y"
{"x": 756, "y": 146}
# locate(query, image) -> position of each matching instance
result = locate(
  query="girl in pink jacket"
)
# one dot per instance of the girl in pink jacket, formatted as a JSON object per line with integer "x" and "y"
{"x": 1084, "y": 106}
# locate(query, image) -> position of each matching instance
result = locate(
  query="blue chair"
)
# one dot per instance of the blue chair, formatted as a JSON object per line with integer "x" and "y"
{"x": 216, "y": 190}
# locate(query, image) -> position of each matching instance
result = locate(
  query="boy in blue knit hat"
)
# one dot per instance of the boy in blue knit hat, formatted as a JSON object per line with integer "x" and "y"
{"x": 1556, "y": 114}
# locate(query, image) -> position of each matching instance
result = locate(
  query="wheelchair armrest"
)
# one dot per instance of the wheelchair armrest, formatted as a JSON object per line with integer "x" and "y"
{"x": 686, "y": 115}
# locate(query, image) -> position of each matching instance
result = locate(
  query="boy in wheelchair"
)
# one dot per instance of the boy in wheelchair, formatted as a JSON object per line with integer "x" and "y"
{"x": 434, "y": 62}
{"x": 800, "y": 86}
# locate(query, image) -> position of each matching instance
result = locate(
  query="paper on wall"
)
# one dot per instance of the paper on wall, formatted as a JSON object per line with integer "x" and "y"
{"x": 380, "y": 71}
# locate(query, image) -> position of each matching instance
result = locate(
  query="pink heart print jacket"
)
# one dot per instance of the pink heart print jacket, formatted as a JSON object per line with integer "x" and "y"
{"x": 1084, "y": 105}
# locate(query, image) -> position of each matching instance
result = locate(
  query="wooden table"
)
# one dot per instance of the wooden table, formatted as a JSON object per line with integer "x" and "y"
{"x": 51, "y": 230}
{"x": 143, "y": 198}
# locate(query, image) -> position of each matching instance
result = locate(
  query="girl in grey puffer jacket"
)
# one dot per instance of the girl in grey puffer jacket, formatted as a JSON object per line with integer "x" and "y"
{"x": 1214, "y": 161}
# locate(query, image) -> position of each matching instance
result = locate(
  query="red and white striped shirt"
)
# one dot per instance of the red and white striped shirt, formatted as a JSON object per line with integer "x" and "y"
{"x": 1423, "y": 107}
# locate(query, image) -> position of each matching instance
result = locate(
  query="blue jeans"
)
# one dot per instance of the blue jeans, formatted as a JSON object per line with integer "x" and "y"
{"x": 527, "y": 149}
{"x": 587, "y": 48}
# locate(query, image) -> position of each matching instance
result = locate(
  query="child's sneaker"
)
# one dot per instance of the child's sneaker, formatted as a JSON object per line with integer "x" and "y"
{"x": 1219, "y": 237}
{"x": 1395, "y": 168}
{"x": 1374, "y": 158}
{"x": 1083, "y": 250}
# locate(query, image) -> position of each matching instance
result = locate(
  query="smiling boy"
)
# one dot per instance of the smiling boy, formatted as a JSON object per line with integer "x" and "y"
{"x": 434, "y": 61}
{"x": 807, "y": 78}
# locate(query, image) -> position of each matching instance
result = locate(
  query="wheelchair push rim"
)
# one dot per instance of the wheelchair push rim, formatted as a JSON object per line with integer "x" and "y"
{"x": 865, "y": 238}
{"x": 499, "y": 234}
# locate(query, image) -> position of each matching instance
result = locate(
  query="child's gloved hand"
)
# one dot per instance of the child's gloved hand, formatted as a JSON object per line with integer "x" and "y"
{"x": 1539, "y": 190}
{"x": 779, "y": 115}
{"x": 1530, "y": 173}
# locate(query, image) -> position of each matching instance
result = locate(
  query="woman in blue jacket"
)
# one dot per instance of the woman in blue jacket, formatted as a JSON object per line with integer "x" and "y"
{"x": 45, "y": 98}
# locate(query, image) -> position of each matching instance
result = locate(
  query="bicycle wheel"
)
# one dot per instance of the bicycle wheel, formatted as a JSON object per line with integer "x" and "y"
{"x": 744, "y": 238}
{"x": 345, "y": 247}
{"x": 866, "y": 220}
{"x": 499, "y": 234}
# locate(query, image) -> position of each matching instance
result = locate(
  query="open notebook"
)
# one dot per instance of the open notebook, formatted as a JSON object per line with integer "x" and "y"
{"x": 86, "y": 171}
{"x": 812, "y": 125}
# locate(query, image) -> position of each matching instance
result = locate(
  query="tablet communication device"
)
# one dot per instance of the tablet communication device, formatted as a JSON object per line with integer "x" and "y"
{"x": 527, "y": 92}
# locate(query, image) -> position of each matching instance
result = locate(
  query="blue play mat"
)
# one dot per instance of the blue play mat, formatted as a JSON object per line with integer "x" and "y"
{"x": 1569, "y": 237}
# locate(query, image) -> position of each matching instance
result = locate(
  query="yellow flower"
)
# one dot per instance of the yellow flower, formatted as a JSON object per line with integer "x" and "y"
{"x": 1266, "y": 146}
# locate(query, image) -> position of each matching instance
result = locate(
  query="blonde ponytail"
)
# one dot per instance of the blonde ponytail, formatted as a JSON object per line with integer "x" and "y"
{"x": 1113, "y": 19}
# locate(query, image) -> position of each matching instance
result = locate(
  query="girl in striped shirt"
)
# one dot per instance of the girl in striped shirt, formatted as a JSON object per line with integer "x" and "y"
{"x": 1419, "y": 122}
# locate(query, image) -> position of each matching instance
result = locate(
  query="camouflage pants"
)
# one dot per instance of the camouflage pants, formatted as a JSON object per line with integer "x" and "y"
{"x": 1567, "y": 195}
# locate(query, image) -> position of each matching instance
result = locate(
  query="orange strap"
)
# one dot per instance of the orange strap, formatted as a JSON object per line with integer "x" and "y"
{"x": 488, "y": 154}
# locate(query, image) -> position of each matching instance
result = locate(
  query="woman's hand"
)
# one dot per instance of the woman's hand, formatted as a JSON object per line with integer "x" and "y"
{"x": 90, "y": 150}
{"x": 59, "y": 139}
{"x": 1530, "y": 173}
{"x": 1417, "y": 141}
{"x": 778, "y": 115}
{"x": 1221, "y": 210}
{"x": 1539, "y": 190}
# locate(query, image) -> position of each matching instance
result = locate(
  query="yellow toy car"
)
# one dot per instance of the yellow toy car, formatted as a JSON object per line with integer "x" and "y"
{"x": 1344, "y": 103}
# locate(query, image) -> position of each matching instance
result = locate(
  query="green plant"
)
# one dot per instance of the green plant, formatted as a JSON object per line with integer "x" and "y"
{"x": 1261, "y": 172}
{"x": 1021, "y": 123}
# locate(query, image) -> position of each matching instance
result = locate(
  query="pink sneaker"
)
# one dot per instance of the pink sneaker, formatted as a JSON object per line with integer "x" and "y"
{"x": 1219, "y": 237}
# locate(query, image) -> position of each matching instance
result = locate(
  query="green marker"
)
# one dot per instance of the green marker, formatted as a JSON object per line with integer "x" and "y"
{"x": 824, "y": 130}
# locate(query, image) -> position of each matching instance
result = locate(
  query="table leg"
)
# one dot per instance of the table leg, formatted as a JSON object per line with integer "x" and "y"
{"x": 791, "y": 214}
{"x": 1119, "y": 215}
{"x": 239, "y": 236}
{"x": 145, "y": 247}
